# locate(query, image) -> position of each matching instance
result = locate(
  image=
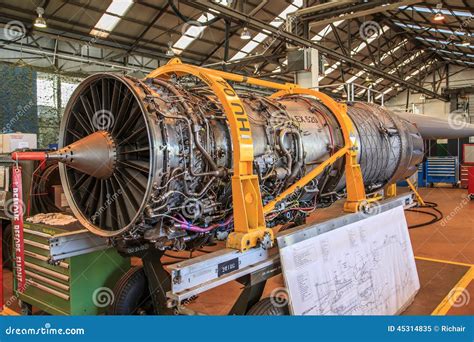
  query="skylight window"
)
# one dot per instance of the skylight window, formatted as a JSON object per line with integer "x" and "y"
{"x": 250, "y": 46}
{"x": 260, "y": 37}
{"x": 417, "y": 71}
{"x": 111, "y": 18}
{"x": 191, "y": 34}
{"x": 431, "y": 29}
{"x": 385, "y": 55}
{"x": 325, "y": 31}
{"x": 355, "y": 51}
{"x": 385, "y": 92}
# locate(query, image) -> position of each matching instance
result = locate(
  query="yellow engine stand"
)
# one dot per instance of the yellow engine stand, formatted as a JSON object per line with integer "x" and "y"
{"x": 418, "y": 197}
{"x": 249, "y": 221}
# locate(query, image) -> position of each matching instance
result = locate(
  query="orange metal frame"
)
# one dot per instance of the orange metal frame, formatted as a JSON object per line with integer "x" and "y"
{"x": 249, "y": 220}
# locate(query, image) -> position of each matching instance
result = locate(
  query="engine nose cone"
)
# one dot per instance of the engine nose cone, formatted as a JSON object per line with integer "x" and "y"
{"x": 94, "y": 155}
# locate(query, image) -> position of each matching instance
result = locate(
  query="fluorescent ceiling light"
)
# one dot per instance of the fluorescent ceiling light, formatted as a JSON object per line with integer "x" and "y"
{"x": 443, "y": 11}
{"x": 459, "y": 61}
{"x": 107, "y": 22}
{"x": 464, "y": 43}
{"x": 470, "y": 55}
{"x": 432, "y": 29}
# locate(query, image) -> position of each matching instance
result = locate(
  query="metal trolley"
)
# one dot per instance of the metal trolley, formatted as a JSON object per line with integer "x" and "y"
{"x": 442, "y": 170}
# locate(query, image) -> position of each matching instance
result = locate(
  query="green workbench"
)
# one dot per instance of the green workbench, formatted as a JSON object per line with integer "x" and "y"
{"x": 79, "y": 285}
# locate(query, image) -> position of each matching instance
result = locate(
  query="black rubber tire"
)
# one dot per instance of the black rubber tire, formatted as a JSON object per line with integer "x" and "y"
{"x": 267, "y": 307}
{"x": 7, "y": 246}
{"x": 131, "y": 294}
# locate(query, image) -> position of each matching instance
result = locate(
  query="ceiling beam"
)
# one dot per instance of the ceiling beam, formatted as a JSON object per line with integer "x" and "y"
{"x": 289, "y": 37}
{"x": 376, "y": 7}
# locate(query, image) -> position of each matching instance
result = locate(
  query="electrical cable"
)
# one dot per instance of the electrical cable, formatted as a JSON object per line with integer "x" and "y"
{"x": 437, "y": 216}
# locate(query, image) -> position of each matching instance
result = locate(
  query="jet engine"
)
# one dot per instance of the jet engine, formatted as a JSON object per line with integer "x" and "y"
{"x": 151, "y": 160}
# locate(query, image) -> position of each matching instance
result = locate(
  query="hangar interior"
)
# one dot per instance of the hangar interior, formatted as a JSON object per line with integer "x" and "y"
{"x": 228, "y": 156}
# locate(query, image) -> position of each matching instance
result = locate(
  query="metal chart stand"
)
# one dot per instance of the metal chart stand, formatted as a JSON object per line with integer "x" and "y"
{"x": 159, "y": 281}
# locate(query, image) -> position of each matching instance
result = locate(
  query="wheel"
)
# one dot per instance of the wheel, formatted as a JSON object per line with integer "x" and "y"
{"x": 269, "y": 307}
{"x": 131, "y": 294}
{"x": 7, "y": 246}
{"x": 471, "y": 197}
{"x": 25, "y": 309}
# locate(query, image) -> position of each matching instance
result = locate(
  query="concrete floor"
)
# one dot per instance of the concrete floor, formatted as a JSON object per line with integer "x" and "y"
{"x": 449, "y": 240}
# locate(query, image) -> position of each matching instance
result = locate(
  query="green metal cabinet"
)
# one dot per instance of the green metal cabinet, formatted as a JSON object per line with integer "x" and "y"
{"x": 79, "y": 285}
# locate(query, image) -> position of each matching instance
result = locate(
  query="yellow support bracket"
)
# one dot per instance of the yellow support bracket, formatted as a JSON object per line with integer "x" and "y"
{"x": 418, "y": 197}
{"x": 391, "y": 190}
{"x": 356, "y": 196}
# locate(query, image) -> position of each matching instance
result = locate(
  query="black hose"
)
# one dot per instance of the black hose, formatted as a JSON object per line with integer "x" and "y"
{"x": 187, "y": 19}
{"x": 437, "y": 214}
{"x": 175, "y": 256}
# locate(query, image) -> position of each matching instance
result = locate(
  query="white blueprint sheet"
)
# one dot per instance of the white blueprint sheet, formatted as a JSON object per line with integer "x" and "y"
{"x": 364, "y": 268}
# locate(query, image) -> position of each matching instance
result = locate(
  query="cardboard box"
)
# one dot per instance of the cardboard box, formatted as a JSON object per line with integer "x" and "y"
{"x": 13, "y": 141}
{"x": 59, "y": 197}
